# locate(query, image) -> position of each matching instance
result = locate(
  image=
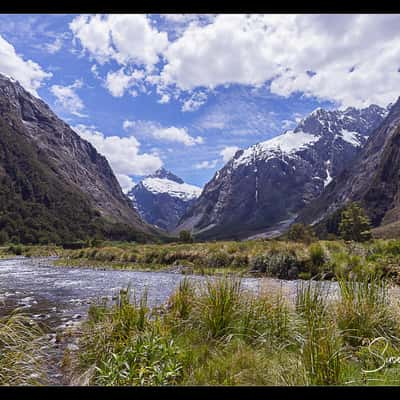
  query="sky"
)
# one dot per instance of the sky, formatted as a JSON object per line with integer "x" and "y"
{"x": 186, "y": 91}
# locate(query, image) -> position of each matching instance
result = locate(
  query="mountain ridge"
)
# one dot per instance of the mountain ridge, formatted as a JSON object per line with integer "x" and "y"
{"x": 269, "y": 182}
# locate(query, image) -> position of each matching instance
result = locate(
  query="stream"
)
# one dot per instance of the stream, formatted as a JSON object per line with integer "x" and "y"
{"x": 59, "y": 297}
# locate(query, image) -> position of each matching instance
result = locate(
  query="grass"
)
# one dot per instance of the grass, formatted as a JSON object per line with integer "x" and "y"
{"x": 217, "y": 333}
{"x": 22, "y": 361}
{"x": 274, "y": 258}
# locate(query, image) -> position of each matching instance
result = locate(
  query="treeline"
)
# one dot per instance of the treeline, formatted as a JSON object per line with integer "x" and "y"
{"x": 38, "y": 207}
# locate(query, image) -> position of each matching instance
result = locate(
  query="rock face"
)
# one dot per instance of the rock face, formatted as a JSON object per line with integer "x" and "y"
{"x": 372, "y": 179}
{"x": 262, "y": 189}
{"x": 163, "y": 198}
{"x": 47, "y": 167}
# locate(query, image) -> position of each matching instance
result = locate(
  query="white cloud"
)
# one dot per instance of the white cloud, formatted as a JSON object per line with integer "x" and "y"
{"x": 228, "y": 152}
{"x": 55, "y": 46}
{"x": 352, "y": 59}
{"x": 126, "y": 182}
{"x": 122, "y": 153}
{"x": 118, "y": 82}
{"x": 125, "y": 38}
{"x": 169, "y": 134}
{"x": 27, "y": 72}
{"x": 67, "y": 98}
{"x": 194, "y": 102}
{"x": 206, "y": 164}
{"x": 310, "y": 53}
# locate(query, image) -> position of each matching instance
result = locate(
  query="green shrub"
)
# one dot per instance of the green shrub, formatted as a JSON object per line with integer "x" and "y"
{"x": 148, "y": 359}
{"x": 301, "y": 233}
{"x": 185, "y": 237}
{"x": 354, "y": 224}
{"x": 317, "y": 258}
{"x": 280, "y": 264}
{"x": 218, "y": 260}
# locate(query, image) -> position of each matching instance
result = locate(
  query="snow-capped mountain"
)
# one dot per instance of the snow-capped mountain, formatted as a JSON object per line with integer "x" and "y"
{"x": 162, "y": 198}
{"x": 371, "y": 179}
{"x": 265, "y": 185}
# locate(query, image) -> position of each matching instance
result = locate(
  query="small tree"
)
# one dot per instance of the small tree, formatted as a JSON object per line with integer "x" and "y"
{"x": 354, "y": 224}
{"x": 185, "y": 237}
{"x": 301, "y": 233}
{"x": 3, "y": 237}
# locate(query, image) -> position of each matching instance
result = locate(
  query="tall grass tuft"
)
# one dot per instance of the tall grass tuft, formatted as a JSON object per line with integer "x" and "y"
{"x": 364, "y": 311}
{"x": 319, "y": 340}
{"x": 218, "y": 306}
{"x": 21, "y": 354}
{"x": 181, "y": 301}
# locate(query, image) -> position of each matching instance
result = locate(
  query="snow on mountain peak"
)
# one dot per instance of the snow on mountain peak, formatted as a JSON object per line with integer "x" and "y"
{"x": 182, "y": 191}
{"x": 288, "y": 143}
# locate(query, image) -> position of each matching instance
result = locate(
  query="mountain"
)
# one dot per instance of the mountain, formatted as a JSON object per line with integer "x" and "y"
{"x": 262, "y": 189}
{"x": 162, "y": 198}
{"x": 372, "y": 179}
{"x": 54, "y": 186}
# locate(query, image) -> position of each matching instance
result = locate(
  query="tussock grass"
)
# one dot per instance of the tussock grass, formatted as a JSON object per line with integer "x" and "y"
{"x": 21, "y": 351}
{"x": 273, "y": 258}
{"x": 217, "y": 333}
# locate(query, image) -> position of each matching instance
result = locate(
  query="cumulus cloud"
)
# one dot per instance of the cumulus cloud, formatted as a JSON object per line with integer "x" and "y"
{"x": 68, "y": 99}
{"x": 27, "y": 72}
{"x": 123, "y": 154}
{"x": 350, "y": 59}
{"x": 206, "y": 164}
{"x": 118, "y": 82}
{"x": 126, "y": 182}
{"x": 228, "y": 152}
{"x": 121, "y": 37}
{"x": 155, "y": 130}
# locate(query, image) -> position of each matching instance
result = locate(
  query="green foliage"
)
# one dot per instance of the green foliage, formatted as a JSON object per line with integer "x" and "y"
{"x": 364, "y": 310}
{"x": 38, "y": 206}
{"x": 280, "y": 264}
{"x": 185, "y": 236}
{"x": 219, "y": 304}
{"x": 148, "y": 359}
{"x": 354, "y": 224}
{"x": 301, "y": 233}
{"x": 319, "y": 340}
{"x": 317, "y": 258}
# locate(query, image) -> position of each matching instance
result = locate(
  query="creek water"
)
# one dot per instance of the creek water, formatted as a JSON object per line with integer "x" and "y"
{"x": 59, "y": 297}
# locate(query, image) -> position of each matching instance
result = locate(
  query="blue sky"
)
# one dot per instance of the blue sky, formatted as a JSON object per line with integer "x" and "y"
{"x": 186, "y": 91}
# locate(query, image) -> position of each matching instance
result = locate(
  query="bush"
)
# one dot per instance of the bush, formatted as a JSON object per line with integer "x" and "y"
{"x": 218, "y": 260}
{"x": 317, "y": 258}
{"x": 354, "y": 224}
{"x": 15, "y": 249}
{"x": 301, "y": 233}
{"x": 185, "y": 237}
{"x": 149, "y": 359}
{"x": 4, "y": 238}
{"x": 280, "y": 264}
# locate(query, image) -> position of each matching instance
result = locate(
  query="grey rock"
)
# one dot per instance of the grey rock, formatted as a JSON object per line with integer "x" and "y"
{"x": 269, "y": 189}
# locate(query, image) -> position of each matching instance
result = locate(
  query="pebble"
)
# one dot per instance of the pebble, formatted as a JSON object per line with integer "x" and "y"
{"x": 72, "y": 347}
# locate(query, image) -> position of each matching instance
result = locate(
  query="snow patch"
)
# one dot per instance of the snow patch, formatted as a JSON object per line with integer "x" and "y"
{"x": 288, "y": 143}
{"x": 350, "y": 137}
{"x": 182, "y": 191}
{"x": 328, "y": 178}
